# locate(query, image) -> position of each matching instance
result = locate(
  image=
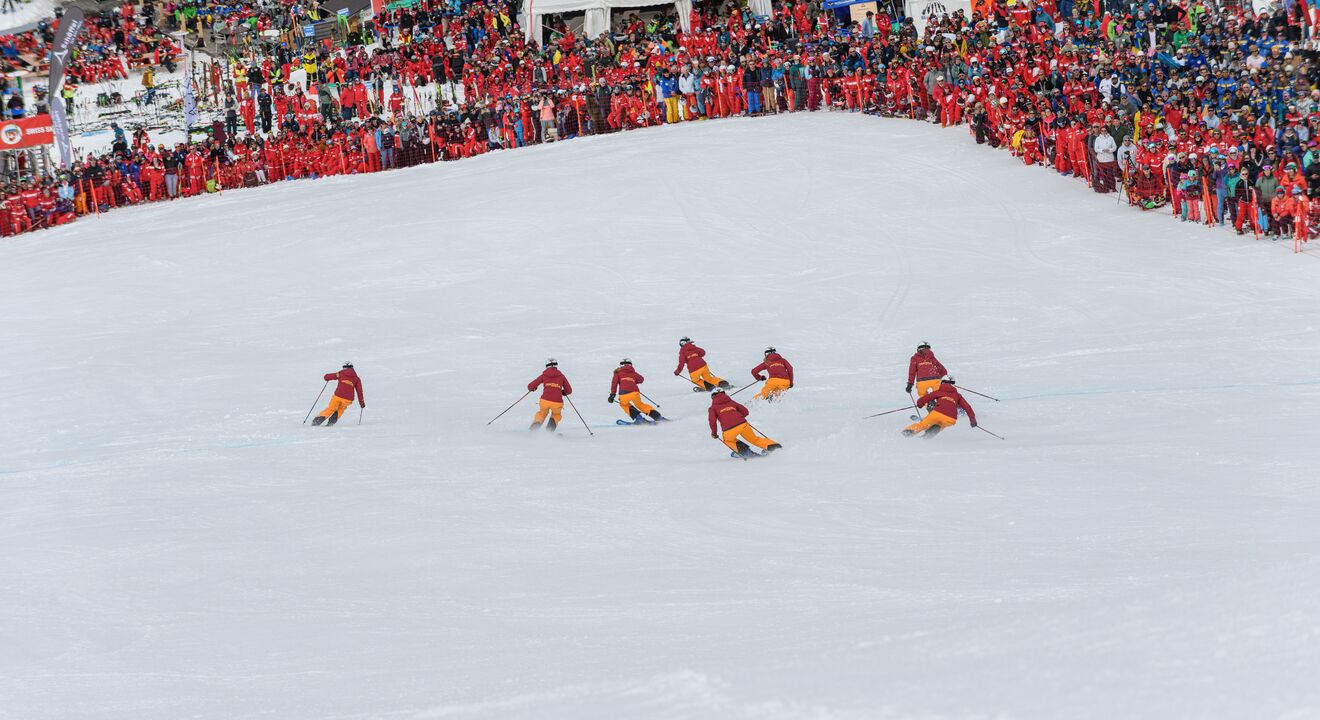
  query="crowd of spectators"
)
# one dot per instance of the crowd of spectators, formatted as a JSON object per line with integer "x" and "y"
{"x": 1212, "y": 109}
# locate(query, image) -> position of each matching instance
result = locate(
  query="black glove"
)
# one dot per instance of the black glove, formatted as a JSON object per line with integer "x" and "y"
{"x": 611, "y": 400}
{"x": 362, "y": 405}
{"x": 909, "y": 387}
{"x": 715, "y": 435}
{"x": 973, "y": 423}
{"x": 790, "y": 383}
{"x": 760, "y": 377}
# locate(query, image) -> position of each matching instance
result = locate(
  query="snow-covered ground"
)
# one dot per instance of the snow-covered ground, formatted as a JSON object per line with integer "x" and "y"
{"x": 1143, "y": 545}
{"x": 25, "y": 15}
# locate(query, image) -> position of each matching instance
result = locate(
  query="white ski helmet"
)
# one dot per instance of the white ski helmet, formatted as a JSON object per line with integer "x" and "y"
{"x": 551, "y": 362}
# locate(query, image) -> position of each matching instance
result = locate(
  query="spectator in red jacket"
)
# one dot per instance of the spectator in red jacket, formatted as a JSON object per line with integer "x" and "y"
{"x": 624, "y": 385}
{"x": 780, "y": 374}
{"x": 943, "y": 405}
{"x": 554, "y": 388}
{"x": 1147, "y": 190}
{"x": 694, "y": 358}
{"x": 349, "y": 385}
{"x": 924, "y": 369}
{"x": 732, "y": 417}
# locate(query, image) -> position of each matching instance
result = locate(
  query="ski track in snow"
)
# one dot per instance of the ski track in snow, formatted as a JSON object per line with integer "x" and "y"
{"x": 177, "y": 544}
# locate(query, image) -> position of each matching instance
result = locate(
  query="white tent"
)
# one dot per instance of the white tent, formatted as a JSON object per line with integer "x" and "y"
{"x": 922, "y": 10}
{"x": 597, "y": 12}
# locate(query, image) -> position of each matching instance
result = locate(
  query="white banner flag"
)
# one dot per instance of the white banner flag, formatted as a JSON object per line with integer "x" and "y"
{"x": 189, "y": 95}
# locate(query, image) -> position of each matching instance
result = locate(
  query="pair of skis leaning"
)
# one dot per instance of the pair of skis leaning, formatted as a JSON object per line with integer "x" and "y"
{"x": 642, "y": 420}
{"x": 707, "y": 387}
{"x": 745, "y": 451}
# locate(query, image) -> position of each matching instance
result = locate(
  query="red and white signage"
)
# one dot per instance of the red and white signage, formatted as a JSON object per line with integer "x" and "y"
{"x": 26, "y": 132}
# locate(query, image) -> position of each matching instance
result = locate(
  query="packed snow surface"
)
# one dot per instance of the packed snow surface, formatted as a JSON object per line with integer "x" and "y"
{"x": 177, "y": 544}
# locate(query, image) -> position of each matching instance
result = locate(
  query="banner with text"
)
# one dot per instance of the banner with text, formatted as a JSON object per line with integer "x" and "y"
{"x": 26, "y": 132}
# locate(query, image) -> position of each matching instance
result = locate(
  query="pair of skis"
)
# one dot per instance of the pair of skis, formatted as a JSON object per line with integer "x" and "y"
{"x": 725, "y": 384}
{"x": 642, "y": 420}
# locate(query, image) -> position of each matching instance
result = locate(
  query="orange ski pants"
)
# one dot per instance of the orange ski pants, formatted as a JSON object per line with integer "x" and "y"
{"x": 932, "y": 419}
{"x": 553, "y": 409}
{"x": 745, "y": 432}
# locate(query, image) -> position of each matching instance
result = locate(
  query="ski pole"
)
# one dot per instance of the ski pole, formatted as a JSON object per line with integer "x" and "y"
{"x": 915, "y": 406}
{"x": 960, "y": 387}
{"x": 744, "y": 387}
{"x": 887, "y": 412}
{"x": 317, "y": 401}
{"x": 649, "y": 399}
{"x": 694, "y": 382}
{"x": 360, "y": 411}
{"x": 575, "y": 411}
{"x": 978, "y": 427}
{"x": 721, "y": 442}
{"x": 515, "y": 402}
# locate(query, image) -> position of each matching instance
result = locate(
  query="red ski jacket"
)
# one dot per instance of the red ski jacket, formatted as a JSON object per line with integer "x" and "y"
{"x": 924, "y": 366}
{"x": 555, "y": 385}
{"x": 776, "y": 366}
{"x": 692, "y": 356}
{"x": 727, "y": 412}
{"x": 625, "y": 381}
{"x": 947, "y": 400}
{"x": 349, "y": 383}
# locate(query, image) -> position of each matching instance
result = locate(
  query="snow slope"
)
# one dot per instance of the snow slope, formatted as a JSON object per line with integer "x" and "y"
{"x": 26, "y": 15}
{"x": 1143, "y": 545}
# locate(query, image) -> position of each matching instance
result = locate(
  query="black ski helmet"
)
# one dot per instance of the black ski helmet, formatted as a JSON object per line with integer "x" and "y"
{"x": 551, "y": 362}
{"x": 625, "y": 361}
{"x": 684, "y": 340}
{"x": 348, "y": 364}
{"x": 948, "y": 381}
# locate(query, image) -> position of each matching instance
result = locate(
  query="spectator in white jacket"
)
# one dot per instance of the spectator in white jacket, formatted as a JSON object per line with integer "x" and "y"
{"x": 1105, "y": 162}
{"x": 1124, "y": 154}
{"x": 688, "y": 84}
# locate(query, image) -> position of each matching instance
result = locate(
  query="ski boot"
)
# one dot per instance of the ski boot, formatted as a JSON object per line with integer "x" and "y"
{"x": 773, "y": 447}
{"x": 334, "y": 418}
{"x": 908, "y": 433}
{"x": 318, "y": 420}
{"x": 725, "y": 384}
{"x": 550, "y": 425}
{"x": 744, "y": 451}
{"x": 931, "y": 432}
{"x": 534, "y": 426}
{"x": 656, "y": 416}
{"x": 634, "y": 413}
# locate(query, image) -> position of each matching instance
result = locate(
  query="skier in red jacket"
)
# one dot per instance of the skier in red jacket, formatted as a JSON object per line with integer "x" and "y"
{"x": 349, "y": 385}
{"x": 925, "y": 370}
{"x": 694, "y": 357}
{"x": 780, "y": 375}
{"x": 732, "y": 417}
{"x": 624, "y": 385}
{"x": 554, "y": 388}
{"x": 943, "y": 404}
